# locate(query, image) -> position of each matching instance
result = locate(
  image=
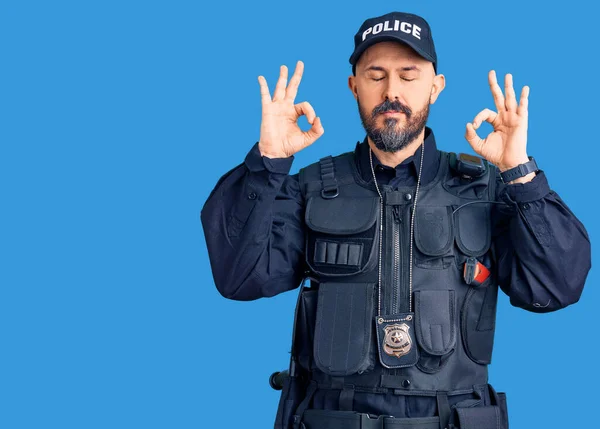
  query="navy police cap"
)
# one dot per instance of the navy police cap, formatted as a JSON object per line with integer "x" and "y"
{"x": 399, "y": 26}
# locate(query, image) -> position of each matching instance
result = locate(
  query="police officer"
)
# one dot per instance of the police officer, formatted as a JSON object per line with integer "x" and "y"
{"x": 405, "y": 245}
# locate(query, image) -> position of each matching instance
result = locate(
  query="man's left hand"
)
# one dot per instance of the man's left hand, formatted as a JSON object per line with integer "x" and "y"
{"x": 506, "y": 146}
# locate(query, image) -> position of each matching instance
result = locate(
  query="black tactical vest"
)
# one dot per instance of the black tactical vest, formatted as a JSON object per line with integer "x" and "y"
{"x": 437, "y": 335}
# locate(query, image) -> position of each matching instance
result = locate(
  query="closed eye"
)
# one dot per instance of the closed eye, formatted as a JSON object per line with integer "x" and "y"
{"x": 403, "y": 78}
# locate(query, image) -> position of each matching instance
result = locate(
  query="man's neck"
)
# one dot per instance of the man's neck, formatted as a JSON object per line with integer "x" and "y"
{"x": 392, "y": 159}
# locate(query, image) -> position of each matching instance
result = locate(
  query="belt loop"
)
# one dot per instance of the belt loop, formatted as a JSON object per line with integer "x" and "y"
{"x": 347, "y": 398}
{"x": 443, "y": 409}
{"x": 310, "y": 391}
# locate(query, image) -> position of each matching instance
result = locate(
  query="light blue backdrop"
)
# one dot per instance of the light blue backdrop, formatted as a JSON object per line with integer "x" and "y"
{"x": 117, "y": 119}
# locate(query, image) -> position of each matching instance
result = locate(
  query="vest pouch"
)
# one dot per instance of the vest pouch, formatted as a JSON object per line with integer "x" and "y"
{"x": 434, "y": 237}
{"x": 493, "y": 415}
{"x": 480, "y": 418}
{"x": 435, "y": 317}
{"x": 342, "y": 235}
{"x": 473, "y": 231}
{"x": 305, "y": 328}
{"x": 478, "y": 320}
{"x": 343, "y": 331}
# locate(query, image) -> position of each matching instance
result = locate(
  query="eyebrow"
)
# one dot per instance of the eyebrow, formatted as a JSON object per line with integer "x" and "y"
{"x": 407, "y": 68}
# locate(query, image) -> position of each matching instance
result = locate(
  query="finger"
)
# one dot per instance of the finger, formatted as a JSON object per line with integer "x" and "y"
{"x": 486, "y": 115}
{"x": 509, "y": 92}
{"x": 292, "y": 88}
{"x": 305, "y": 108}
{"x": 496, "y": 91}
{"x": 281, "y": 83}
{"x": 314, "y": 133}
{"x": 473, "y": 138}
{"x": 265, "y": 95}
{"x": 524, "y": 101}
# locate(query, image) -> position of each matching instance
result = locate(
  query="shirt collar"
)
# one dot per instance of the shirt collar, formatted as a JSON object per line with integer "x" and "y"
{"x": 430, "y": 159}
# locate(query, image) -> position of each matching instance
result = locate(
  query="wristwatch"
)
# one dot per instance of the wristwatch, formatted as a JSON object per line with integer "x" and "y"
{"x": 519, "y": 171}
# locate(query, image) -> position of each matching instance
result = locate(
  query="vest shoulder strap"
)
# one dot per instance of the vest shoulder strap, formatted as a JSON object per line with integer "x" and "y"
{"x": 328, "y": 174}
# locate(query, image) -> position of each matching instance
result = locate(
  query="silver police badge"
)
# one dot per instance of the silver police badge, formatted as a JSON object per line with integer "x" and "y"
{"x": 397, "y": 340}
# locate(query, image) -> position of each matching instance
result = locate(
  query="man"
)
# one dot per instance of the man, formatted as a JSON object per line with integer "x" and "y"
{"x": 405, "y": 245}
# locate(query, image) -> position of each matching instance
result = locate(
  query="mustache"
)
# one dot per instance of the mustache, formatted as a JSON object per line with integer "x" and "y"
{"x": 388, "y": 105}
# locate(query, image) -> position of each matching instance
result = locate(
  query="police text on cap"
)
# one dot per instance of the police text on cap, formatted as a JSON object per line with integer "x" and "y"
{"x": 405, "y": 27}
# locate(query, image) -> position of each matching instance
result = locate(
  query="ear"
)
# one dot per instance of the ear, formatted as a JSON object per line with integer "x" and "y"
{"x": 439, "y": 83}
{"x": 352, "y": 85}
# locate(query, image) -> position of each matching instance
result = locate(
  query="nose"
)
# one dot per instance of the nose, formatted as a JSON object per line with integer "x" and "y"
{"x": 393, "y": 89}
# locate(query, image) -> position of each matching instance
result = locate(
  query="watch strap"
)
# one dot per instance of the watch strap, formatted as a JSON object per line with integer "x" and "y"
{"x": 519, "y": 171}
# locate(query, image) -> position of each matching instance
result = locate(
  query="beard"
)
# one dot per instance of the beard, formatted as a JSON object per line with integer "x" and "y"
{"x": 390, "y": 138}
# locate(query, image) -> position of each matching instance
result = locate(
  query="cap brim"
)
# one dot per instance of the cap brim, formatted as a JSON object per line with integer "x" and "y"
{"x": 382, "y": 38}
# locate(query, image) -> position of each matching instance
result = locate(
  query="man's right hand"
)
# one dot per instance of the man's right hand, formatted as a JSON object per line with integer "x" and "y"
{"x": 280, "y": 135}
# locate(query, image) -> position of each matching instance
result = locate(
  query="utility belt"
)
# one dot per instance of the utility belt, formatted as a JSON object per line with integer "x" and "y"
{"x": 324, "y": 419}
{"x": 488, "y": 411}
{"x": 468, "y": 415}
{"x": 473, "y": 418}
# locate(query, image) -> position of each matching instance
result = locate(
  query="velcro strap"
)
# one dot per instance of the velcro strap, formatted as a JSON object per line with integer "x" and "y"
{"x": 347, "y": 398}
{"x": 443, "y": 409}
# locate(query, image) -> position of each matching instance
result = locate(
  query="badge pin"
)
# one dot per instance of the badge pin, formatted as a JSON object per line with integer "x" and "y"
{"x": 397, "y": 340}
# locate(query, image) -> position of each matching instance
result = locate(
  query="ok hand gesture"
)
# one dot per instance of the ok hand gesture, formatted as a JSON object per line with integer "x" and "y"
{"x": 506, "y": 146}
{"x": 280, "y": 135}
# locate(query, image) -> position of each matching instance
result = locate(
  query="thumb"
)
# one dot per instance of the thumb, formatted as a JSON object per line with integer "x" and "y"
{"x": 473, "y": 138}
{"x": 314, "y": 133}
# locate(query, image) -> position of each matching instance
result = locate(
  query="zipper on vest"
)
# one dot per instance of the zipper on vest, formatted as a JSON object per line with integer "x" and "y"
{"x": 404, "y": 290}
{"x": 396, "y": 283}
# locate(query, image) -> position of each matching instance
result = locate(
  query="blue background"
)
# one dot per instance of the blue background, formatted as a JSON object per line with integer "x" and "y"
{"x": 117, "y": 119}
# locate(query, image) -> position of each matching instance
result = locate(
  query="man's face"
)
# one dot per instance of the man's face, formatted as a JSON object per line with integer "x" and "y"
{"x": 394, "y": 87}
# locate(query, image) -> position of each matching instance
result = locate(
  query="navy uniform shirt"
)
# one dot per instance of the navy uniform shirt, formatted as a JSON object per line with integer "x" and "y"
{"x": 254, "y": 228}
